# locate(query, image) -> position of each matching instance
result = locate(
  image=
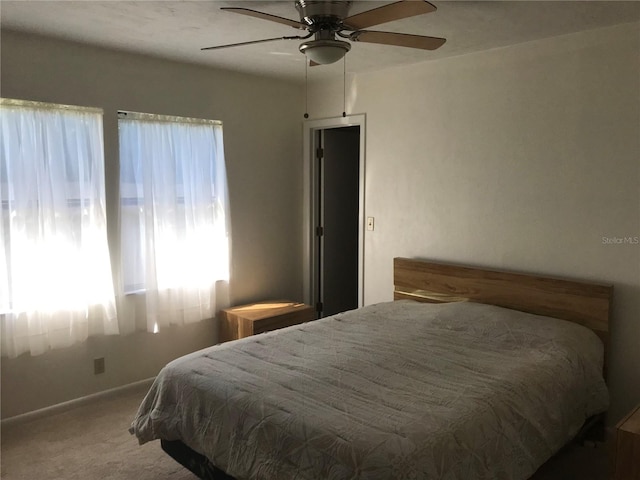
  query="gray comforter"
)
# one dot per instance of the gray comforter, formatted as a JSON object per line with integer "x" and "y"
{"x": 397, "y": 390}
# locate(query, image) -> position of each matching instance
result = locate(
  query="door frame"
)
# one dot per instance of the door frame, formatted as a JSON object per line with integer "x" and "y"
{"x": 310, "y": 220}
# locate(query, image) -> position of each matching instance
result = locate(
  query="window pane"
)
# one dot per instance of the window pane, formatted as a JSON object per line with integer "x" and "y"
{"x": 173, "y": 206}
{"x": 54, "y": 239}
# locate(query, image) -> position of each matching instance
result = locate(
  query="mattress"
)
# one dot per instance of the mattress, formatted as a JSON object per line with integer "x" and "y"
{"x": 397, "y": 390}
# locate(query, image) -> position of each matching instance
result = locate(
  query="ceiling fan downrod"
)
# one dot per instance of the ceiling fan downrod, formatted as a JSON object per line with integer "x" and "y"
{"x": 323, "y": 14}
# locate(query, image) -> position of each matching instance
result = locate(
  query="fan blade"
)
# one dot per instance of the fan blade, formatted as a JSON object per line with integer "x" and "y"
{"x": 265, "y": 16}
{"x": 388, "y": 13}
{"x": 251, "y": 42}
{"x": 398, "y": 39}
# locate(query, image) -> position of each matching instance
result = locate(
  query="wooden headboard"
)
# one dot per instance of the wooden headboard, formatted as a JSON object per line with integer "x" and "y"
{"x": 585, "y": 303}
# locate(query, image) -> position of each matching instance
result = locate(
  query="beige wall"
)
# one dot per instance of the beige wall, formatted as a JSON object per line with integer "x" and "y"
{"x": 262, "y": 138}
{"x": 519, "y": 158}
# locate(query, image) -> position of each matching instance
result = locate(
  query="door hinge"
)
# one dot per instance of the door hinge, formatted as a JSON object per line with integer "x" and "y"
{"x": 319, "y": 231}
{"x": 320, "y": 153}
{"x": 319, "y": 307}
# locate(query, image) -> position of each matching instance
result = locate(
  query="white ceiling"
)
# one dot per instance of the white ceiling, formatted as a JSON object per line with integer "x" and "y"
{"x": 178, "y": 29}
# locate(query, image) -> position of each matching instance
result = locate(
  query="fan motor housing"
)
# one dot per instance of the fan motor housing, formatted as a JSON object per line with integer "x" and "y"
{"x": 324, "y": 14}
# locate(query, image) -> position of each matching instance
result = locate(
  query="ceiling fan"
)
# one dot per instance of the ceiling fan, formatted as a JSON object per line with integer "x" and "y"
{"x": 327, "y": 19}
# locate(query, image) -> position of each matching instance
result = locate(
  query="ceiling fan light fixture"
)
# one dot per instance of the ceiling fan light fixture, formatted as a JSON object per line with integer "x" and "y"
{"x": 324, "y": 52}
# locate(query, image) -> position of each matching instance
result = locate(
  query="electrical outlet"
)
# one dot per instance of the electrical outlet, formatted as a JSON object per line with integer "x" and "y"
{"x": 98, "y": 366}
{"x": 370, "y": 224}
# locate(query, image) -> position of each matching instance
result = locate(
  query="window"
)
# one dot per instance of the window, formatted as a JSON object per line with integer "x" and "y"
{"x": 55, "y": 273}
{"x": 174, "y": 215}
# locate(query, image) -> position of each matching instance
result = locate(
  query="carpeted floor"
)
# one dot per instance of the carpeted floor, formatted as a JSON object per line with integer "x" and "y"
{"x": 86, "y": 443}
{"x": 92, "y": 442}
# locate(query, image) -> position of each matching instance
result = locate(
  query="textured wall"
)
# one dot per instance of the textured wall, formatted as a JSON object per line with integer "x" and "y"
{"x": 262, "y": 136}
{"x": 519, "y": 158}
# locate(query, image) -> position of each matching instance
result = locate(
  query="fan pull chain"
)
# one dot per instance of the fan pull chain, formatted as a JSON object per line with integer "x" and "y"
{"x": 306, "y": 88}
{"x": 344, "y": 86}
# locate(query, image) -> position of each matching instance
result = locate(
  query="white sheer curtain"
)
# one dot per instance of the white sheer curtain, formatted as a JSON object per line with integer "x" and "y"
{"x": 55, "y": 274}
{"x": 174, "y": 219}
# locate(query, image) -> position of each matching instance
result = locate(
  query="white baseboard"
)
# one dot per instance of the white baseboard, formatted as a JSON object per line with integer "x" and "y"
{"x": 76, "y": 402}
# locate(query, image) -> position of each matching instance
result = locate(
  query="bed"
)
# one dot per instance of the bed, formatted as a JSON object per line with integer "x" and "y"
{"x": 468, "y": 374}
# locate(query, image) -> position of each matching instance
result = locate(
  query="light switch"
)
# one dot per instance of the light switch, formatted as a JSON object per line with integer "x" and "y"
{"x": 370, "y": 224}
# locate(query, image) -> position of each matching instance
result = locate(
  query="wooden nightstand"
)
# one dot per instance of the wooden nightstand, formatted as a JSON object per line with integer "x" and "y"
{"x": 246, "y": 320}
{"x": 627, "y": 447}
